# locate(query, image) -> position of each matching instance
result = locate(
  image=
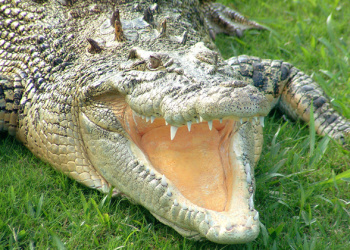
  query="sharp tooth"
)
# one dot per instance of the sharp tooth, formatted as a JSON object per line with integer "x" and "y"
{"x": 197, "y": 120}
{"x": 206, "y": 219}
{"x": 176, "y": 203}
{"x": 163, "y": 181}
{"x": 256, "y": 217}
{"x": 251, "y": 202}
{"x": 241, "y": 120}
{"x": 142, "y": 116}
{"x": 249, "y": 222}
{"x": 201, "y": 119}
{"x": 184, "y": 207}
{"x": 147, "y": 118}
{"x": 247, "y": 168}
{"x": 166, "y": 123}
{"x": 173, "y": 130}
{"x": 195, "y": 210}
{"x": 249, "y": 178}
{"x": 133, "y": 117}
{"x": 152, "y": 172}
{"x": 220, "y": 120}
{"x": 189, "y": 125}
{"x": 262, "y": 121}
{"x": 169, "y": 193}
{"x": 152, "y": 119}
{"x": 210, "y": 124}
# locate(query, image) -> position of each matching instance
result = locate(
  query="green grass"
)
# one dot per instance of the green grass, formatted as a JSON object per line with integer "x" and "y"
{"x": 303, "y": 181}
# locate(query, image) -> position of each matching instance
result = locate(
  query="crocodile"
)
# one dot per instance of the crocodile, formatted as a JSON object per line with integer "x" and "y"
{"x": 134, "y": 98}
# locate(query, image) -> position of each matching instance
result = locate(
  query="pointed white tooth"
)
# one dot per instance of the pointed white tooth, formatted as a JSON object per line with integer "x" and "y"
{"x": 176, "y": 203}
{"x": 256, "y": 217}
{"x": 262, "y": 121}
{"x": 189, "y": 125}
{"x": 206, "y": 219}
{"x": 163, "y": 181}
{"x": 173, "y": 130}
{"x": 152, "y": 172}
{"x": 197, "y": 120}
{"x": 249, "y": 222}
{"x": 152, "y": 119}
{"x": 142, "y": 116}
{"x": 169, "y": 193}
{"x": 201, "y": 119}
{"x": 133, "y": 117}
{"x": 133, "y": 112}
{"x": 220, "y": 120}
{"x": 148, "y": 118}
{"x": 210, "y": 124}
{"x": 147, "y": 170}
{"x": 249, "y": 178}
{"x": 166, "y": 123}
{"x": 241, "y": 120}
{"x": 247, "y": 168}
{"x": 195, "y": 210}
{"x": 251, "y": 202}
{"x": 184, "y": 207}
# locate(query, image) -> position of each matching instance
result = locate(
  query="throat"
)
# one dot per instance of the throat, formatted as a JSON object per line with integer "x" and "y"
{"x": 196, "y": 162}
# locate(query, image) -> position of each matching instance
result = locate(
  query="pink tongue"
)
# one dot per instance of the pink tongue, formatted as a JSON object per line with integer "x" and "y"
{"x": 192, "y": 161}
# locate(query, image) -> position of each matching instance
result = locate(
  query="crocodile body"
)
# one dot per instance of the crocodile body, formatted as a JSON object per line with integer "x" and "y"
{"x": 140, "y": 100}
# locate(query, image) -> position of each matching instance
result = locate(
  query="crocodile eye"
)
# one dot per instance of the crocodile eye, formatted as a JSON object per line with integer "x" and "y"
{"x": 154, "y": 62}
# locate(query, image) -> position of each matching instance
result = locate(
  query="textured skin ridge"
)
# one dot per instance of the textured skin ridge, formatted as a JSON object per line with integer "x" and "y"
{"x": 68, "y": 74}
{"x": 10, "y": 96}
{"x": 31, "y": 52}
{"x": 296, "y": 101}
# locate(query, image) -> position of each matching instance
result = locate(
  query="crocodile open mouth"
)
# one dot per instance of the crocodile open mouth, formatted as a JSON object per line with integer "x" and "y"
{"x": 196, "y": 160}
{"x": 197, "y": 177}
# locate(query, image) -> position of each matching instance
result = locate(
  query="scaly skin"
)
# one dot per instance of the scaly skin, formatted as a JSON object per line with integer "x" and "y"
{"x": 74, "y": 90}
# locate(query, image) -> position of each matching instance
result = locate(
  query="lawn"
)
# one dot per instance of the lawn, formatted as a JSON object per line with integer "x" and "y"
{"x": 303, "y": 182}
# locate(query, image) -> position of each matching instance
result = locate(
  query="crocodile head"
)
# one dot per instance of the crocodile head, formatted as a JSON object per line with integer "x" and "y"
{"x": 175, "y": 133}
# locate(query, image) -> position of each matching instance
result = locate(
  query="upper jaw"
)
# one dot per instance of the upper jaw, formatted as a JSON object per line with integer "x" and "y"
{"x": 180, "y": 106}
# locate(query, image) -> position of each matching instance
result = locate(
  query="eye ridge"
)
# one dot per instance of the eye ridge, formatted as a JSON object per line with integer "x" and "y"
{"x": 140, "y": 65}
